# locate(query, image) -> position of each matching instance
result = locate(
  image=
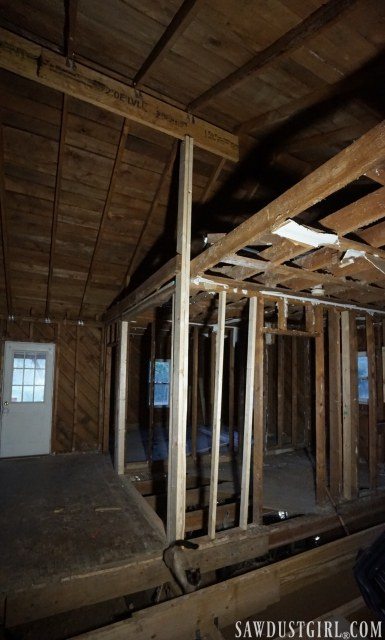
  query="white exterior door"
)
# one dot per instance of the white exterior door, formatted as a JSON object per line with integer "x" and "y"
{"x": 26, "y": 404}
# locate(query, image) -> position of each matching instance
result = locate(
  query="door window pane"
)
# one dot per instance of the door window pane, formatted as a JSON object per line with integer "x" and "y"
{"x": 17, "y": 377}
{"x": 39, "y": 376}
{"x": 38, "y": 394}
{"x": 40, "y": 361}
{"x": 29, "y": 361}
{"x": 18, "y": 361}
{"x": 17, "y": 393}
{"x": 27, "y": 394}
{"x": 28, "y": 377}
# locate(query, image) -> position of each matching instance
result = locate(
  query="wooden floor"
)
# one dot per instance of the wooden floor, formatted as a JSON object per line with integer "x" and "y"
{"x": 62, "y": 515}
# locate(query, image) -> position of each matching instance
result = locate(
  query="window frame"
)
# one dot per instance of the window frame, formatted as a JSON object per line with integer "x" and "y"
{"x": 155, "y": 384}
{"x": 362, "y": 400}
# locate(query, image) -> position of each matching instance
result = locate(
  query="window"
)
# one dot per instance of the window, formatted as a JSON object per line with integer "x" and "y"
{"x": 161, "y": 383}
{"x": 363, "y": 383}
{"x": 28, "y": 377}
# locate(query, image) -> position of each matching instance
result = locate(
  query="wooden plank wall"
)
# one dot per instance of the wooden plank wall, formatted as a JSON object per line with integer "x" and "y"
{"x": 78, "y": 410}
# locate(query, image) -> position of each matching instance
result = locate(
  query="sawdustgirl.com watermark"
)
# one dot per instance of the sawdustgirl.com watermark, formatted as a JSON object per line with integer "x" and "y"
{"x": 317, "y": 629}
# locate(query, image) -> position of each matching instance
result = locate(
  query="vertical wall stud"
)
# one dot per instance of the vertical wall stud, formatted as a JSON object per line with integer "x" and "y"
{"x": 372, "y": 404}
{"x": 248, "y": 417}
{"x": 320, "y": 406}
{"x": 194, "y": 394}
{"x": 176, "y": 495}
{"x": 217, "y": 413}
{"x": 121, "y": 399}
{"x": 335, "y": 402}
{"x": 349, "y": 404}
{"x": 259, "y": 416}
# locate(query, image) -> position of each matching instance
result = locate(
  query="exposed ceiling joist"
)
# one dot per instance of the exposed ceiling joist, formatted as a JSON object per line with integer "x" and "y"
{"x": 178, "y": 24}
{"x": 55, "y": 210}
{"x": 35, "y": 62}
{"x": 214, "y": 283}
{"x": 114, "y": 174}
{"x": 336, "y": 173}
{"x": 374, "y": 235}
{"x": 377, "y": 174}
{"x": 291, "y": 40}
{"x": 358, "y": 214}
{"x": 311, "y": 278}
{"x": 4, "y": 229}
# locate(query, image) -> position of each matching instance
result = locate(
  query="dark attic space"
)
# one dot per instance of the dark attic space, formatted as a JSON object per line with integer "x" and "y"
{"x": 192, "y": 319}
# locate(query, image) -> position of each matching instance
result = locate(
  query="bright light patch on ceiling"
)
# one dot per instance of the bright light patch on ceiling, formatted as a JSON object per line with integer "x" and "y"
{"x": 352, "y": 254}
{"x": 303, "y": 235}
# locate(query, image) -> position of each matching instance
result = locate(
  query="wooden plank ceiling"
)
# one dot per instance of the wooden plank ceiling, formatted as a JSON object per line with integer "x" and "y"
{"x": 86, "y": 197}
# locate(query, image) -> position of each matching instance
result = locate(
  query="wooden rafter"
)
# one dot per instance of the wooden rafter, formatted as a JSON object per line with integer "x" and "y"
{"x": 185, "y": 14}
{"x": 269, "y": 119}
{"x": 71, "y": 9}
{"x": 212, "y": 180}
{"x": 345, "y": 167}
{"x": 55, "y": 209}
{"x": 37, "y": 63}
{"x": 4, "y": 228}
{"x": 111, "y": 187}
{"x": 153, "y": 208}
{"x": 291, "y": 40}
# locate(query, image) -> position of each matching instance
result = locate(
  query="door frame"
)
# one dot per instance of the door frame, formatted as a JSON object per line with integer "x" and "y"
{"x": 34, "y": 346}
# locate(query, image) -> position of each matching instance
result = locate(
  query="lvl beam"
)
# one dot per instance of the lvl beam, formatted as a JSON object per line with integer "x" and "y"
{"x": 37, "y": 63}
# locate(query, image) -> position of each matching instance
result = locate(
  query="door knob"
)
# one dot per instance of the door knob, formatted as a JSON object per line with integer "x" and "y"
{"x": 5, "y": 403}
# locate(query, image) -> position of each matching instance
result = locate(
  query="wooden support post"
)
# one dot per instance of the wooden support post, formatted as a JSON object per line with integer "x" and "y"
{"x": 379, "y": 351}
{"x": 194, "y": 395}
{"x": 282, "y": 313}
{"x": 248, "y": 418}
{"x": 107, "y": 399}
{"x": 280, "y": 388}
{"x": 259, "y": 416}
{"x": 307, "y": 397}
{"x": 76, "y": 390}
{"x": 102, "y": 366}
{"x": 320, "y": 407}
{"x": 217, "y": 413}
{"x": 349, "y": 404}
{"x": 176, "y": 495}
{"x": 335, "y": 403}
{"x": 121, "y": 399}
{"x": 151, "y": 387}
{"x": 372, "y": 404}
{"x": 231, "y": 387}
{"x": 294, "y": 391}
{"x": 212, "y": 373}
{"x": 309, "y": 318}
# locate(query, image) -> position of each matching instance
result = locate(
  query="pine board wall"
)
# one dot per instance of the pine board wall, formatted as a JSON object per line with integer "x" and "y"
{"x": 78, "y": 403}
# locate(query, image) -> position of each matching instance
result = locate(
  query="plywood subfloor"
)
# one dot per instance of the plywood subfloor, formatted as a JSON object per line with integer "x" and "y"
{"x": 61, "y": 515}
